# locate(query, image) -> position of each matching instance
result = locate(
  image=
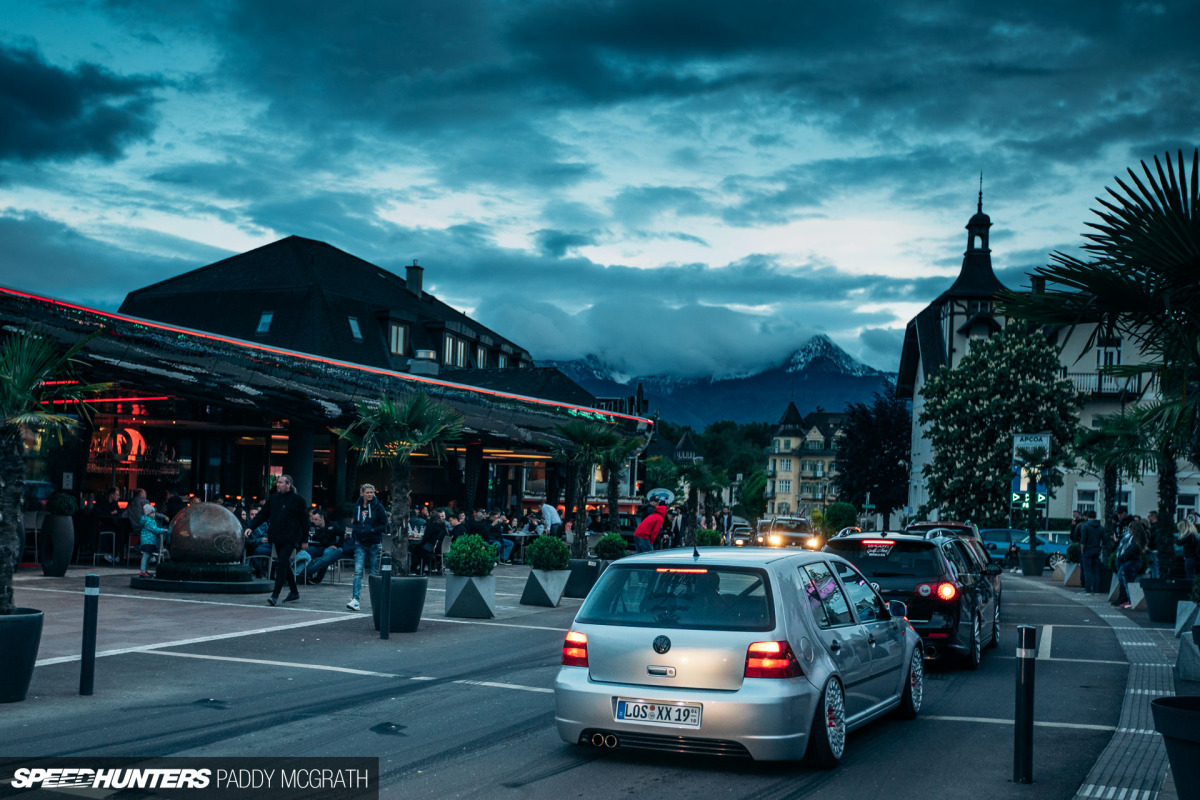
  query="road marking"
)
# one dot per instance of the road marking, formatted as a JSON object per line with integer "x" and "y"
{"x": 1043, "y": 652}
{"x": 494, "y": 685}
{"x": 294, "y": 664}
{"x": 994, "y": 721}
{"x": 1115, "y": 792}
{"x": 1140, "y": 731}
{"x": 496, "y": 624}
{"x": 159, "y": 598}
{"x": 200, "y": 639}
{"x": 1077, "y": 660}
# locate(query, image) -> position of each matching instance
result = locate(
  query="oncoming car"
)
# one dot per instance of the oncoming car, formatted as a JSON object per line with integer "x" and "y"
{"x": 739, "y": 652}
{"x": 787, "y": 532}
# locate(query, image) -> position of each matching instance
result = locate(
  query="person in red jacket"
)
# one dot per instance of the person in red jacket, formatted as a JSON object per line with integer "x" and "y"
{"x": 647, "y": 531}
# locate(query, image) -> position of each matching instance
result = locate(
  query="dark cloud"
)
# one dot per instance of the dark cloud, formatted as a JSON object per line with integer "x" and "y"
{"x": 557, "y": 243}
{"x": 881, "y": 347}
{"x": 54, "y": 113}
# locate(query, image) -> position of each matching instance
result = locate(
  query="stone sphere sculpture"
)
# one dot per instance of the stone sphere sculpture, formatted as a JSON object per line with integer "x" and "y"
{"x": 206, "y": 533}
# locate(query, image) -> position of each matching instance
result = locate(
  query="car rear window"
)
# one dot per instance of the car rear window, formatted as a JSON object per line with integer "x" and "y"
{"x": 882, "y": 558}
{"x": 681, "y": 596}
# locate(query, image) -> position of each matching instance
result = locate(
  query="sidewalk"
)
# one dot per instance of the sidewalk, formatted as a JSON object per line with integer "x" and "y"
{"x": 1134, "y": 764}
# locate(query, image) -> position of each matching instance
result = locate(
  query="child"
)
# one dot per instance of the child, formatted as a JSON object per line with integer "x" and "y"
{"x": 143, "y": 523}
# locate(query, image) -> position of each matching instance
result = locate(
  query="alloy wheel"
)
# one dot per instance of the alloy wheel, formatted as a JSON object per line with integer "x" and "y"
{"x": 835, "y": 718}
{"x": 916, "y": 678}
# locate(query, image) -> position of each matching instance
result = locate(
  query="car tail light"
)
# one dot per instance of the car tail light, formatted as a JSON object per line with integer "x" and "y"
{"x": 771, "y": 660}
{"x": 575, "y": 650}
{"x": 942, "y": 590}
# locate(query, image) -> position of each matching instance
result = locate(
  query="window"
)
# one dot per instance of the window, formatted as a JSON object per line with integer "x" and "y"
{"x": 355, "y": 331}
{"x": 785, "y": 487}
{"x": 819, "y": 469}
{"x": 1185, "y": 504}
{"x": 815, "y": 444}
{"x": 1085, "y": 500}
{"x": 480, "y": 357}
{"x": 862, "y": 596}
{"x": 785, "y": 465}
{"x": 454, "y": 351}
{"x": 264, "y": 322}
{"x": 1108, "y": 353}
{"x": 460, "y": 354}
{"x": 825, "y": 599}
{"x": 956, "y": 558}
{"x": 787, "y": 444}
{"x": 398, "y": 338}
{"x": 502, "y": 360}
{"x": 653, "y": 596}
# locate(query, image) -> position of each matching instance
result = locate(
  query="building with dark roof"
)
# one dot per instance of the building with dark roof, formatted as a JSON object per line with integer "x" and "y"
{"x": 310, "y": 297}
{"x": 800, "y": 466}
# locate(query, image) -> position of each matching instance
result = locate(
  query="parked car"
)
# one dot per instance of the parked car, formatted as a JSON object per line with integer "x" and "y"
{"x": 928, "y": 529}
{"x": 996, "y": 541}
{"x": 952, "y": 601}
{"x": 743, "y": 534}
{"x": 749, "y": 652}
{"x": 787, "y": 532}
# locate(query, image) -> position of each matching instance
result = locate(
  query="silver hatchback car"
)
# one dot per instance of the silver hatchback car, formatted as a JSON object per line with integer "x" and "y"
{"x": 750, "y": 652}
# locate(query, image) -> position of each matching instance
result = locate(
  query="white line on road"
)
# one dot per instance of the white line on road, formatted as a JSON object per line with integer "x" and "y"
{"x": 158, "y": 598}
{"x": 496, "y": 624}
{"x": 1044, "y": 645}
{"x": 347, "y": 670}
{"x": 200, "y": 639}
{"x": 994, "y": 721}
{"x": 1074, "y": 660}
{"x": 1114, "y": 792}
{"x": 539, "y": 689}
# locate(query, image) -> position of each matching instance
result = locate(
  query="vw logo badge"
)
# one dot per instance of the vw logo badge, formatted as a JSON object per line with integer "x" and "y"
{"x": 875, "y": 586}
{"x": 662, "y": 644}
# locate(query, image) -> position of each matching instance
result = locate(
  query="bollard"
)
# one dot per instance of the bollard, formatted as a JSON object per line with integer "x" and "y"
{"x": 1023, "y": 729}
{"x": 385, "y": 597}
{"x": 87, "y": 660}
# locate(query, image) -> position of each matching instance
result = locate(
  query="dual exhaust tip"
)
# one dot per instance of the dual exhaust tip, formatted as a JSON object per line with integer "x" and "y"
{"x": 604, "y": 740}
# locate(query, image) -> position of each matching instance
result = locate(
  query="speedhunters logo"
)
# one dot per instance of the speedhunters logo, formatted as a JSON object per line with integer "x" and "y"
{"x": 194, "y": 778}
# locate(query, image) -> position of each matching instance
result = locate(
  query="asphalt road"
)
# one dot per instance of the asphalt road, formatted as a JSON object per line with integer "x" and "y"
{"x": 464, "y": 708}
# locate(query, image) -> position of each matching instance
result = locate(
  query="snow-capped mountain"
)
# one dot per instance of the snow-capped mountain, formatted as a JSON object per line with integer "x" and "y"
{"x": 818, "y": 373}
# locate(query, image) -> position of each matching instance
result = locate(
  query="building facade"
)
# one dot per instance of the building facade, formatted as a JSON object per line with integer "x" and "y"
{"x": 800, "y": 465}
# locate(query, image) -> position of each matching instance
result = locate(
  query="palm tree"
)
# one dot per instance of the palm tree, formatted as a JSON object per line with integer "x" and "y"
{"x": 699, "y": 477}
{"x": 36, "y": 389}
{"x": 391, "y": 432}
{"x": 614, "y": 461}
{"x": 1140, "y": 280}
{"x": 586, "y": 443}
{"x": 1111, "y": 450}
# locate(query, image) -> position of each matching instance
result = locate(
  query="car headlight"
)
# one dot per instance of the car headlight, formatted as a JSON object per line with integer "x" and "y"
{"x": 760, "y": 540}
{"x": 813, "y": 543}
{"x": 776, "y": 540}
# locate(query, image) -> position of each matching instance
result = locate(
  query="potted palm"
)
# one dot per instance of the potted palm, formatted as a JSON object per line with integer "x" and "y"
{"x": 582, "y": 447}
{"x": 33, "y": 374}
{"x": 470, "y": 586}
{"x": 548, "y": 557}
{"x": 58, "y": 534}
{"x": 389, "y": 431}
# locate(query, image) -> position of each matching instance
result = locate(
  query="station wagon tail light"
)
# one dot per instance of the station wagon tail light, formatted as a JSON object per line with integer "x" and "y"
{"x": 942, "y": 590}
{"x": 878, "y": 542}
{"x": 575, "y": 650}
{"x": 771, "y": 660}
{"x": 683, "y": 570}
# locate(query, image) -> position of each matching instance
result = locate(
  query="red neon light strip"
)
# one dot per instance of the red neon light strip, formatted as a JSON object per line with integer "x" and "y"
{"x": 309, "y": 357}
{"x": 106, "y": 400}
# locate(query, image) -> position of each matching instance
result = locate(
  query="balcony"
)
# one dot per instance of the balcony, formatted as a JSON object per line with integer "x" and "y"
{"x": 771, "y": 472}
{"x": 769, "y": 494}
{"x": 1099, "y": 384}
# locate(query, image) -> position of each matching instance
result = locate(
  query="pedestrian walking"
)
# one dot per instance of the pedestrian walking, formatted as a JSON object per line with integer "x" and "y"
{"x": 725, "y": 525}
{"x": 369, "y": 525}
{"x": 287, "y": 513}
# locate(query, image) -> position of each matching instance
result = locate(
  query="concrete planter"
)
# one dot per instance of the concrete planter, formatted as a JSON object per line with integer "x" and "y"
{"x": 1186, "y": 614}
{"x": 473, "y": 597}
{"x": 1073, "y": 575}
{"x": 20, "y": 637}
{"x": 1178, "y": 720}
{"x": 584, "y": 574}
{"x": 407, "y": 595}
{"x": 58, "y": 542}
{"x": 545, "y": 587}
{"x": 1032, "y": 564}
{"x": 1137, "y": 596}
{"x": 1163, "y": 597}
{"x": 1060, "y": 572}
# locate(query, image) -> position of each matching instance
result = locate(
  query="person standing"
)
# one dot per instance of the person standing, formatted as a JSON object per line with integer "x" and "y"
{"x": 1091, "y": 542}
{"x": 552, "y": 520}
{"x": 369, "y": 526}
{"x": 648, "y": 530}
{"x": 287, "y": 513}
{"x": 1129, "y": 558}
{"x": 725, "y": 525}
{"x": 431, "y": 542}
{"x": 1189, "y": 540}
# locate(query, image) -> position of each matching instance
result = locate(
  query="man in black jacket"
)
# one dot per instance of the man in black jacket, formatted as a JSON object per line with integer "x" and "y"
{"x": 288, "y": 514}
{"x": 1091, "y": 542}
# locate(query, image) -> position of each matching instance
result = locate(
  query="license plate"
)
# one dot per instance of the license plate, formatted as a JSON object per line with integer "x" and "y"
{"x": 646, "y": 712}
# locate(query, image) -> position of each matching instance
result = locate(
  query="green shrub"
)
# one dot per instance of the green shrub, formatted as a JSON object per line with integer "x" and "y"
{"x": 611, "y": 547}
{"x": 547, "y": 552}
{"x": 708, "y": 538}
{"x": 840, "y": 515}
{"x": 62, "y": 505}
{"x": 471, "y": 557}
{"x": 1073, "y": 552}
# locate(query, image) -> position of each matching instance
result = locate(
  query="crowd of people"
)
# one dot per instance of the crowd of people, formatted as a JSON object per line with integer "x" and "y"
{"x": 1133, "y": 543}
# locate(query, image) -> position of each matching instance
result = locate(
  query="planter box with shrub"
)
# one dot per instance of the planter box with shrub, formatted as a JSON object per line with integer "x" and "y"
{"x": 586, "y": 571}
{"x": 548, "y": 556}
{"x": 471, "y": 587}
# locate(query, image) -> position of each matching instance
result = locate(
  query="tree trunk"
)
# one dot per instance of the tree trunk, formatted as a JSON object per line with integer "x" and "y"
{"x": 580, "y": 520}
{"x": 1168, "y": 499}
{"x": 614, "y": 501}
{"x": 12, "y": 484}
{"x": 398, "y": 527}
{"x": 1108, "y": 507}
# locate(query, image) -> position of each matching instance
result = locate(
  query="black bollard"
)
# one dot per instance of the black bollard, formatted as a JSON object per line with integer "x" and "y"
{"x": 91, "y": 607}
{"x": 1023, "y": 730}
{"x": 385, "y": 597}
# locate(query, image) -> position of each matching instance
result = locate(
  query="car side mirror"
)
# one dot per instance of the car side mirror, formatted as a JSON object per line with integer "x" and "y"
{"x": 993, "y": 569}
{"x": 897, "y": 609}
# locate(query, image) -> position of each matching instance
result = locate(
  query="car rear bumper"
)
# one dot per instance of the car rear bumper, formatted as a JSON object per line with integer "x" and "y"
{"x": 939, "y": 636}
{"x": 769, "y": 720}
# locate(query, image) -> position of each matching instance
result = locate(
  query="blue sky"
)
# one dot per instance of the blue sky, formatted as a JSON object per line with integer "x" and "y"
{"x": 677, "y": 187}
